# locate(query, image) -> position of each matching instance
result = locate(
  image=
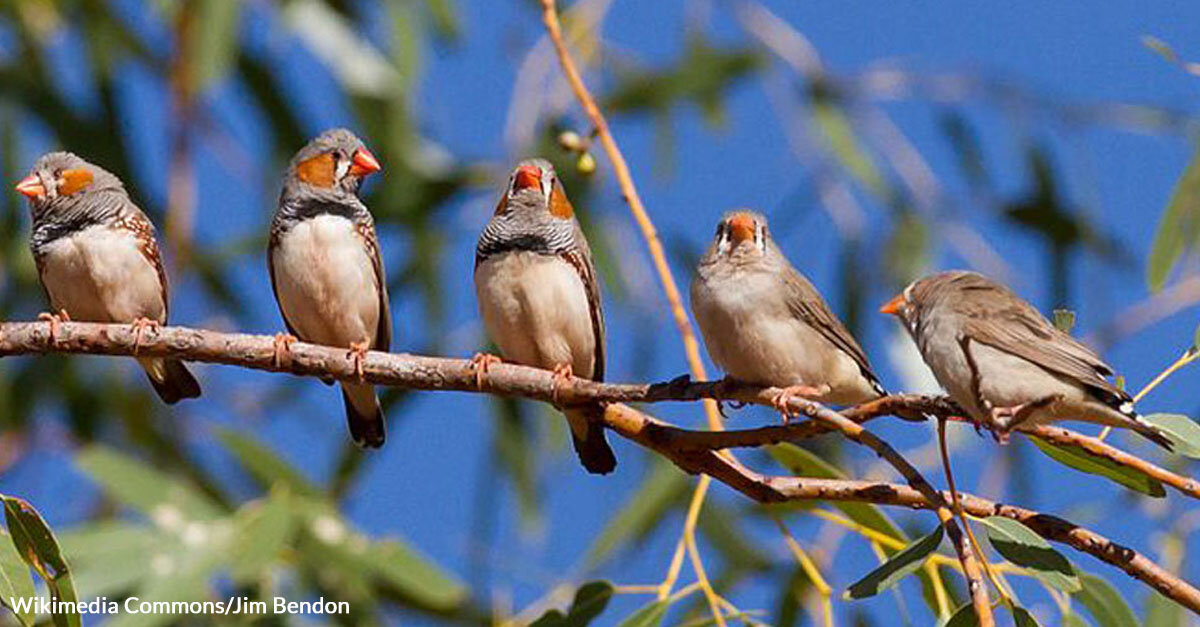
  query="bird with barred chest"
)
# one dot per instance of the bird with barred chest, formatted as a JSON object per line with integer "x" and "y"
{"x": 326, "y": 269}
{"x": 98, "y": 260}
{"x": 764, "y": 323}
{"x": 1005, "y": 363}
{"x": 538, "y": 295}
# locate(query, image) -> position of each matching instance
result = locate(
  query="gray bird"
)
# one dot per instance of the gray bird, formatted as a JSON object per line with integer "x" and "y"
{"x": 325, "y": 265}
{"x": 97, "y": 258}
{"x": 1004, "y": 362}
{"x": 539, "y": 297}
{"x": 764, "y": 323}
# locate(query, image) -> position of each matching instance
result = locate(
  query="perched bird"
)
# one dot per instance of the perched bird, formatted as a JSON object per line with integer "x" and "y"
{"x": 539, "y": 297}
{"x": 97, "y": 258}
{"x": 1004, "y": 363}
{"x": 325, "y": 266}
{"x": 764, "y": 323}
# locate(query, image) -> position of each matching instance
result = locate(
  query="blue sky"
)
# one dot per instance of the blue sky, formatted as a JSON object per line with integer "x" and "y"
{"x": 423, "y": 485}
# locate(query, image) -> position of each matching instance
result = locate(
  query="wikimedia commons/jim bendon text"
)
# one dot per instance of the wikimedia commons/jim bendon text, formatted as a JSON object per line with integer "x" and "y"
{"x": 133, "y": 605}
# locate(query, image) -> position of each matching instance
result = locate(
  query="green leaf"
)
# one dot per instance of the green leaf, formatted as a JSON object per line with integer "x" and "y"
{"x": 590, "y": 600}
{"x": 15, "y": 581}
{"x": 1074, "y": 620}
{"x": 414, "y": 576}
{"x": 1021, "y": 546}
{"x": 38, "y": 547}
{"x": 165, "y": 500}
{"x": 1163, "y": 612}
{"x": 1196, "y": 340}
{"x": 663, "y": 487}
{"x": 964, "y": 616}
{"x": 111, "y": 557}
{"x": 1078, "y": 458}
{"x": 552, "y": 618}
{"x": 1023, "y": 618}
{"x": 261, "y": 531}
{"x": 649, "y": 615}
{"x": 804, "y": 463}
{"x": 264, "y": 465}
{"x": 908, "y": 560}
{"x": 1104, "y": 603}
{"x": 843, "y": 142}
{"x": 1182, "y": 431}
{"x": 215, "y": 41}
{"x": 1178, "y": 228}
{"x": 1064, "y": 320}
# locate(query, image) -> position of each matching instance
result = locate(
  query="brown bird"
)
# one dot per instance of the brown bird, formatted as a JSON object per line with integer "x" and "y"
{"x": 97, "y": 258}
{"x": 325, "y": 265}
{"x": 539, "y": 297}
{"x": 1004, "y": 362}
{"x": 764, "y": 323}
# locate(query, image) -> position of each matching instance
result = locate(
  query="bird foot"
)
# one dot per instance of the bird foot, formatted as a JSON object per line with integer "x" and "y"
{"x": 283, "y": 349}
{"x": 356, "y": 354}
{"x": 562, "y": 375}
{"x": 785, "y": 396}
{"x": 139, "y": 327}
{"x": 54, "y": 319}
{"x": 480, "y": 363}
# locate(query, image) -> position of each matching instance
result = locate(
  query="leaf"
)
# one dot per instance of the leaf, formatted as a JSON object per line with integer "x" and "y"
{"x": 15, "y": 581}
{"x": 111, "y": 557}
{"x": 663, "y": 487}
{"x": 215, "y": 41}
{"x": 1064, "y": 320}
{"x": 906, "y": 561}
{"x": 165, "y": 500}
{"x": 804, "y": 463}
{"x": 1021, "y": 546}
{"x": 590, "y": 600}
{"x": 1104, "y": 603}
{"x": 1074, "y": 620}
{"x": 964, "y": 616}
{"x": 1022, "y": 617}
{"x": 413, "y": 575}
{"x": 1163, "y": 612}
{"x": 260, "y": 533}
{"x": 649, "y": 615}
{"x": 1182, "y": 431}
{"x": 1178, "y": 228}
{"x": 1078, "y": 458}
{"x": 843, "y": 142}
{"x": 38, "y": 547}
{"x": 264, "y": 464}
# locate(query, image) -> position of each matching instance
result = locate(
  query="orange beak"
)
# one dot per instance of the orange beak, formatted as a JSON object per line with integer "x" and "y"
{"x": 364, "y": 163}
{"x": 31, "y": 187}
{"x": 741, "y": 228}
{"x": 527, "y": 176}
{"x": 893, "y": 306}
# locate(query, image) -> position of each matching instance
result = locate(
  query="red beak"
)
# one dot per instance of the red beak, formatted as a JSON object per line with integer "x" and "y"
{"x": 31, "y": 186}
{"x": 364, "y": 163}
{"x": 527, "y": 176}
{"x": 894, "y": 305}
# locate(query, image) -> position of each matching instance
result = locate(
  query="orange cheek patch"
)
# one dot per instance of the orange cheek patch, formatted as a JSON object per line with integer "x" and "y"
{"x": 317, "y": 171}
{"x": 560, "y": 207}
{"x": 74, "y": 180}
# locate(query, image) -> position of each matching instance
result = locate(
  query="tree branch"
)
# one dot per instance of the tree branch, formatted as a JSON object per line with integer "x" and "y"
{"x": 692, "y": 451}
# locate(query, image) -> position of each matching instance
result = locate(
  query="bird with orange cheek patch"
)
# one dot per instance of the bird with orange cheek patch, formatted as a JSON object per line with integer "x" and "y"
{"x": 539, "y": 297}
{"x": 326, "y": 269}
{"x": 764, "y": 323}
{"x": 98, "y": 260}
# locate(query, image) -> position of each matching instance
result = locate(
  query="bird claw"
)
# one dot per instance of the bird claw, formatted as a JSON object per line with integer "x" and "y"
{"x": 562, "y": 375}
{"x": 781, "y": 400}
{"x": 356, "y": 354}
{"x": 283, "y": 349}
{"x": 139, "y": 327}
{"x": 480, "y": 363}
{"x": 54, "y": 319}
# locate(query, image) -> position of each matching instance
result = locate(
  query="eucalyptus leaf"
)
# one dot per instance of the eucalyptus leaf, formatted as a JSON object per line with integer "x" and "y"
{"x": 167, "y": 501}
{"x": 1079, "y": 459}
{"x": 903, "y": 563}
{"x": 261, "y": 531}
{"x": 263, "y": 464}
{"x": 15, "y": 581}
{"x": 804, "y": 463}
{"x": 649, "y": 615}
{"x": 664, "y": 487}
{"x": 964, "y": 616}
{"x": 1106, "y": 605}
{"x": 1025, "y": 548}
{"x": 413, "y": 575}
{"x": 1181, "y": 430}
{"x": 36, "y": 544}
{"x": 1022, "y": 617}
{"x": 1178, "y": 228}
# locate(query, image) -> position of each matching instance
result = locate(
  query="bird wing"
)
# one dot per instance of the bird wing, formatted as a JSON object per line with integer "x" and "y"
{"x": 580, "y": 258}
{"x": 137, "y": 222}
{"x": 383, "y": 332}
{"x": 805, "y": 302}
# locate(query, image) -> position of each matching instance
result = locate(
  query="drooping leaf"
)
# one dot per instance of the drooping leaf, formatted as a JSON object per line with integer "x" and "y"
{"x": 1107, "y": 606}
{"x": 1074, "y": 620}
{"x": 1023, "y": 618}
{"x": 260, "y": 532}
{"x": 1079, "y": 459}
{"x": 663, "y": 488}
{"x": 36, "y": 544}
{"x": 215, "y": 41}
{"x": 164, "y": 499}
{"x": 414, "y": 576}
{"x": 903, "y": 563}
{"x": 964, "y": 616}
{"x": 263, "y": 464}
{"x": 804, "y": 463}
{"x": 649, "y": 615}
{"x": 15, "y": 582}
{"x": 1182, "y": 431}
{"x": 590, "y": 600}
{"x": 111, "y": 556}
{"x": 1022, "y": 546}
{"x": 1178, "y": 228}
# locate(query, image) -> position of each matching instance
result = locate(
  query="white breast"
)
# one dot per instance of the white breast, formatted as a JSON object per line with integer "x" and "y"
{"x": 100, "y": 275}
{"x": 535, "y": 309}
{"x": 325, "y": 282}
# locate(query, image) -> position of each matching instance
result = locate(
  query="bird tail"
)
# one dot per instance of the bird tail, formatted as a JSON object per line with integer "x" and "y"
{"x": 364, "y": 415}
{"x": 591, "y": 443}
{"x": 171, "y": 379}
